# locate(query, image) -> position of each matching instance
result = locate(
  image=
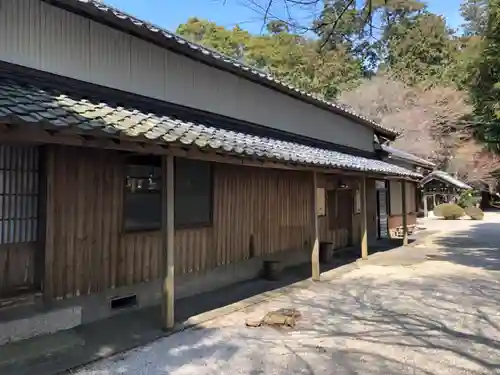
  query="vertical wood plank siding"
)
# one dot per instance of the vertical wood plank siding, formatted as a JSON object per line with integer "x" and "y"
{"x": 256, "y": 211}
{"x": 338, "y": 236}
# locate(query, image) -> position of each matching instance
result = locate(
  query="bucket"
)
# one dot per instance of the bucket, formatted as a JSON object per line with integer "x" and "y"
{"x": 325, "y": 252}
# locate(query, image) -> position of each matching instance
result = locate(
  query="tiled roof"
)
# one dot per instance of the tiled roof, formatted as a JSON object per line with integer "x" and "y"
{"x": 445, "y": 177}
{"x": 29, "y": 101}
{"x": 107, "y": 14}
{"x": 407, "y": 156}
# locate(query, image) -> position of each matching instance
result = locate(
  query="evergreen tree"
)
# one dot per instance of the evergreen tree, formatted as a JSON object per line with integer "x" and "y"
{"x": 421, "y": 50}
{"x": 485, "y": 88}
{"x": 475, "y": 15}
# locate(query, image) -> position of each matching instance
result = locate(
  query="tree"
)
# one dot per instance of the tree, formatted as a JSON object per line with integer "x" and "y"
{"x": 471, "y": 162}
{"x": 364, "y": 31}
{"x": 421, "y": 50}
{"x": 430, "y": 120}
{"x": 475, "y": 15}
{"x": 485, "y": 83}
{"x": 229, "y": 42}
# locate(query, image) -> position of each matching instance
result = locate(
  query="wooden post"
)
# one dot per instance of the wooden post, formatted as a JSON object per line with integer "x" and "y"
{"x": 426, "y": 211}
{"x": 405, "y": 221}
{"x": 364, "y": 235}
{"x": 316, "y": 273}
{"x": 168, "y": 244}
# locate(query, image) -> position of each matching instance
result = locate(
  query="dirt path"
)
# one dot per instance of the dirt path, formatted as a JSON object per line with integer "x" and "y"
{"x": 440, "y": 316}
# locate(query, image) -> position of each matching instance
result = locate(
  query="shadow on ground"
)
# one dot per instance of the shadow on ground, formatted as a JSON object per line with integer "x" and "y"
{"x": 478, "y": 246}
{"x": 437, "y": 323}
{"x": 431, "y": 318}
{"x": 104, "y": 338}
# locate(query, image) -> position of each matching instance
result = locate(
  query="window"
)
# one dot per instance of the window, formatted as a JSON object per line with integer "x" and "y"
{"x": 193, "y": 193}
{"x": 142, "y": 206}
{"x": 19, "y": 174}
{"x": 143, "y": 199}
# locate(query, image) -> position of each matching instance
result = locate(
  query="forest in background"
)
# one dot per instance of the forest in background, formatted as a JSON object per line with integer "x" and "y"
{"x": 406, "y": 69}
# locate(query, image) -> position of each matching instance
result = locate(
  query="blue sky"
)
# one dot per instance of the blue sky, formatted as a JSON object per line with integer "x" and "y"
{"x": 248, "y": 13}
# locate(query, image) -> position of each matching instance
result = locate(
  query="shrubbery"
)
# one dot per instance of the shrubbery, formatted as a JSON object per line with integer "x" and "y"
{"x": 474, "y": 213}
{"x": 468, "y": 199}
{"x": 449, "y": 211}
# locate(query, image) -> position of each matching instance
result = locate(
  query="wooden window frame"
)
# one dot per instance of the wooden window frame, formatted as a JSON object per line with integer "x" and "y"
{"x": 147, "y": 160}
{"x": 155, "y": 162}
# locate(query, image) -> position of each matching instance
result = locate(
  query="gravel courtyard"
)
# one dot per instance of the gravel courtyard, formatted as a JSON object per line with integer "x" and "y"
{"x": 436, "y": 316}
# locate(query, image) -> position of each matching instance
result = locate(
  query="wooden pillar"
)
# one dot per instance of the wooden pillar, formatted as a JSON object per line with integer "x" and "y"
{"x": 363, "y": 226}
{"x": 426, "y": 211}
{"x": 168, "y": 243}
{"x": 315, "y": 250}
{"x": 405, "y": 213}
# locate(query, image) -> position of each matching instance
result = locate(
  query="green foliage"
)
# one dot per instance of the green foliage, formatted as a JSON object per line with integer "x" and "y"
{"x": 344, "y": 23}
{"x": 421, "y": 50}
{"x": 466, "y": 199}
{"x": 475, "y": 213}
{"x": 475, "y": 15}
{"x": 449, "y": 211}
{"x": 400, "y": 39}
{"x": 485, "y": 90}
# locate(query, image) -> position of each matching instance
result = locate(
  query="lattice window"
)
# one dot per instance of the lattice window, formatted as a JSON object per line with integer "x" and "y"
{"x": 19, "y": 180}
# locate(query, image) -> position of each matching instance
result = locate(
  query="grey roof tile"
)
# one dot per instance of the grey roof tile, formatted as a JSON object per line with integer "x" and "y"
{"x": 198, "y": 51}
{"x": 407, "y": 156}
{"x": 445, "y": 177}
{"x": 70, "y": 111}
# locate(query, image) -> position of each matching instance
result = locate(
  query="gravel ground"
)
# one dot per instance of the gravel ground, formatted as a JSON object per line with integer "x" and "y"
{"x": 437, "y": 317}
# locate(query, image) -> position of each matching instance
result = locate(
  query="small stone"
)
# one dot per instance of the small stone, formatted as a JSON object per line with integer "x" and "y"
{"x": 253, "y": 322}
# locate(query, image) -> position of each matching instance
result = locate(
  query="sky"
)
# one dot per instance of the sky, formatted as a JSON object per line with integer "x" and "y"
{"x": 247, "y": 13}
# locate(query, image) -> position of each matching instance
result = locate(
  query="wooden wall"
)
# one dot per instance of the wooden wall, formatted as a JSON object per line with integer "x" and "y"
{"x": 17, "y": 268}
{"x": 257, "y": 212}
{"x": 339, "y": 236}
{"x": 87, "y": 250}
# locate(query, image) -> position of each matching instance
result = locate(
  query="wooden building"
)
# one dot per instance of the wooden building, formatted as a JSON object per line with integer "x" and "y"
{"x": 440, "y": 187}
{"x": 393, "y": 190}
{"x": 128, "y": 154}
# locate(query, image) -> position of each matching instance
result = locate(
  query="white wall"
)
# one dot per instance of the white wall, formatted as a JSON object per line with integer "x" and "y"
{"x": 396, "y": 197}
{"x": 40, "y": 36}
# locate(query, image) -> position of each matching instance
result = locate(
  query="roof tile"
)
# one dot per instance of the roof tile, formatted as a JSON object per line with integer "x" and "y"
{"x": 70, "y": 110}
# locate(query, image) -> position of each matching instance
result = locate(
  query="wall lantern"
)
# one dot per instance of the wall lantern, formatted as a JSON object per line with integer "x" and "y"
{"x": 342, "y": 185}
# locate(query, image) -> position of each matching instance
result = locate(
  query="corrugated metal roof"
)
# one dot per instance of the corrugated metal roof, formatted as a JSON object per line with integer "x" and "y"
{"x": 32, "y": 101}
{"x": 407, "y": 156}
{"x": 104, "y": 13}
{"x": 445, "y": 177}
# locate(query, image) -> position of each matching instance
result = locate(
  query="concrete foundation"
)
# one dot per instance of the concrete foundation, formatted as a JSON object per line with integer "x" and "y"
{"x": 66, "y": 314}
{"x": 40, "y": 324}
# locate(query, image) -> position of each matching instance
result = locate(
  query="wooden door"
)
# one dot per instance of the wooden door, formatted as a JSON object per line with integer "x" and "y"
{"x": 345, "y": 201}
{"x": 19, "y": 206}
